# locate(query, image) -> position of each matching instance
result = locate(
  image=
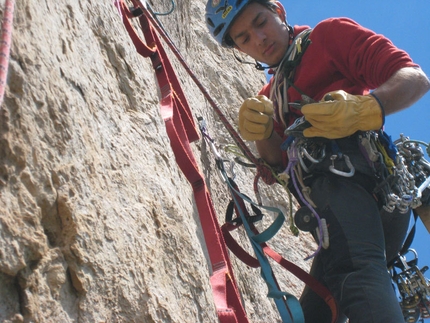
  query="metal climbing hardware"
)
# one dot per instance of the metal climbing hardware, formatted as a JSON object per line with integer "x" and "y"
{"x": 294, "y": 172}
{"x": 337, "y": 155}
{"x": 296, "y": 129}
{"x": 310, "y": 153}
{"x": 348, "y": 163}
{"x": 367, "y": 141}
{"x": 305, "y": 220}
{"x": 404, "y": 185}
{"x": 413, "y": 288}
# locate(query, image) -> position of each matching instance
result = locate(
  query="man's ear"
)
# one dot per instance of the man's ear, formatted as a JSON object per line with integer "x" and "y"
{"x": 280, "y": 10}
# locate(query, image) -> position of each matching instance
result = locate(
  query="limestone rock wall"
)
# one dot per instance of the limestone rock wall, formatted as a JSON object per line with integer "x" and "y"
{"x": 97, "y": 222}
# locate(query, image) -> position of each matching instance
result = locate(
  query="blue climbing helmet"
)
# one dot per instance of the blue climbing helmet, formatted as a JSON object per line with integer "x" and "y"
{"x": 219, "y": 16}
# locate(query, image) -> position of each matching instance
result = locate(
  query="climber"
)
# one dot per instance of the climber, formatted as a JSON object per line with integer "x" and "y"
{"x": 333, "y": 84}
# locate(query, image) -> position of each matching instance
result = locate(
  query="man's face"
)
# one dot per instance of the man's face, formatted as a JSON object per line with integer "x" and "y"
{"x": 260, "y": 33}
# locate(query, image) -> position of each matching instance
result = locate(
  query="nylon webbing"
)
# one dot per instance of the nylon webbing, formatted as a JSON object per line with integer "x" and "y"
{"x": 288, "y": 306}
{"x": 251, "y": 261}
{"x": 181, "y": 131}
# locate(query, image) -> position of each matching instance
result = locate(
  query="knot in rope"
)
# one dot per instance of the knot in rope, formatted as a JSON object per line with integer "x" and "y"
{"x": 266, "y": 173}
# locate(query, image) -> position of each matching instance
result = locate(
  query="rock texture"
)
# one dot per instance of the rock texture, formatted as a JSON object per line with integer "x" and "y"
{"x": 97, "y": 223}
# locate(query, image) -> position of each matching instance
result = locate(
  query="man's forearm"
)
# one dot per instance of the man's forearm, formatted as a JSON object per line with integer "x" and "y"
{"x": 403, "y": 89}
{"x": 270, "y": 149}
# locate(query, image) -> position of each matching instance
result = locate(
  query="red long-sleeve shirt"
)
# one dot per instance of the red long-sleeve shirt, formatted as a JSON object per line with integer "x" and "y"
{"x": 342, "y": 55}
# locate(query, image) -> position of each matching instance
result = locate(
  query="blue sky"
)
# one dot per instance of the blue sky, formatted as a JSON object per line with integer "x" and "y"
{"x": 407, "y": 24}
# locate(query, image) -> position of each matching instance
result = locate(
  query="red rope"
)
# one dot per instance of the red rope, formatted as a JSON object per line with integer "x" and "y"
{"x": 6, "y": 39}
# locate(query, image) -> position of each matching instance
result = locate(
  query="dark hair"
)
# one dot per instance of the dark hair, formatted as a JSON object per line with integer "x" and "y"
{"x": 266, "y": 3}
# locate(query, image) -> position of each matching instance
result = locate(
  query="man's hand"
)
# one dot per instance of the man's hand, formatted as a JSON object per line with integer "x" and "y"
{"x": 255, "y": 118}
{"x": 341, "y": 114}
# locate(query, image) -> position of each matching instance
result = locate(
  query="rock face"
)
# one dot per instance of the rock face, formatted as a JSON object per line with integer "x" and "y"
{"x": 97, "y": 222}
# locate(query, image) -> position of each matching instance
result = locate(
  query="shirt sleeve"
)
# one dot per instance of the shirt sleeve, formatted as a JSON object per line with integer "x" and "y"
{"x": 360, "y": 54}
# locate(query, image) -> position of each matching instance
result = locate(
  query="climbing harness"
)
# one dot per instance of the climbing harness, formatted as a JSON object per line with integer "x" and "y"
{"x": 403, "y": 183}
{"x": 401, "y": 171}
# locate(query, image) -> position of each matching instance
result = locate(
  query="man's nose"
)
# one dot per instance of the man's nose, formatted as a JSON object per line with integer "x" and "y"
{"x": 260, "y": 37}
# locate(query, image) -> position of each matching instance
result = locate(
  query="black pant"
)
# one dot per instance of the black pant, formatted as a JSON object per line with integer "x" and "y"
{"x": 362, "y": 239}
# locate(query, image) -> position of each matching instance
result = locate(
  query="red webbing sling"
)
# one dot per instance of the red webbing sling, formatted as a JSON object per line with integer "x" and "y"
{"x": 181, "y": 130}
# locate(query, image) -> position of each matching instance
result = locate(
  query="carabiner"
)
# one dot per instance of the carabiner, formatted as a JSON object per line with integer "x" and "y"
{"x": 348, "y": 164}
{"x": 312, "y": 159}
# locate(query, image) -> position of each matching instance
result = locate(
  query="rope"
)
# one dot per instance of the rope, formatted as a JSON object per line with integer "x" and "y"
{"x": 6, "y": 40}
{"x": 293, "y": 160}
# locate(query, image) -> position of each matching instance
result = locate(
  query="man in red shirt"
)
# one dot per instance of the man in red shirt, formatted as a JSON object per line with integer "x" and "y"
{"x": 326, "y": 75}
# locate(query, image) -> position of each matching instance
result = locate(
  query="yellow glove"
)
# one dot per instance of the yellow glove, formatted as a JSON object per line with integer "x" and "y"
{"x": 341, "y": 114}
{"x": 255, "y": 118}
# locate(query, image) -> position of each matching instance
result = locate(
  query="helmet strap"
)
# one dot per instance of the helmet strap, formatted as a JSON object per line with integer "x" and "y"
{"x": 256, "y": 64}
